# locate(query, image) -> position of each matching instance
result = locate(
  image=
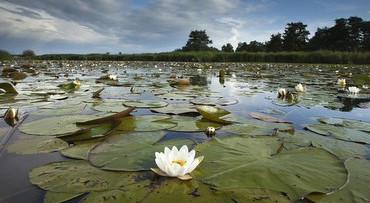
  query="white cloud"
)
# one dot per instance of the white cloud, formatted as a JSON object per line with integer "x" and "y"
{"x": 44, "y": 28}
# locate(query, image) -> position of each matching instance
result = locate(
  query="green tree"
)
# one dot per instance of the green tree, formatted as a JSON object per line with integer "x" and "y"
{"x": 275, "y": 44}
{"x": 295, "y": 37}
{"x": 242, "y": 47}
{"x": 321, "y": 40}
{"x": 198, "y": 41}
{"x": 5, "y": 55}
{"x": 28, "y": 53}
{"x": 365, "y": 44}
{"x": 227, "y": 48}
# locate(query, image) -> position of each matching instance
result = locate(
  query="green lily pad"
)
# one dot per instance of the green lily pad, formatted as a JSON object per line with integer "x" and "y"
{"x": 132, "y": 151}
{"x": 342, "y": 149}
{"x": 65, "y": 109}
{"x": 92, "y": 132}
{"x": 145, "y": 123}
{"x": 177, "y": 96}
{"x": 256, "y": 128}
{"x": 340, "y": 133}
{"x": 345, "y": 122}
{"x": 213, "y": 113}
{"x": 233, "y": 162}
{"x": 357, "y": 189}
{"x": 78, "y": 177}
{"x": 191, "y": 124}
{"x": 176, "y": 109}
{"x": 80, "y": 150}
{"x": 110, "y": 105}
{"x": 59, "y": 197}
{"x": 8, "y": 87}
{"x": 272, "y": 111}
{"x": 36, "y": 144}
{"x": 55, "y": 125}
{"x": 212, "y": 101}
{"x": 145, "y": 103}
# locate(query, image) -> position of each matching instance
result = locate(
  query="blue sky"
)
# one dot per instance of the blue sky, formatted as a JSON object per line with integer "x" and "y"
{"x": 128, "y": 26}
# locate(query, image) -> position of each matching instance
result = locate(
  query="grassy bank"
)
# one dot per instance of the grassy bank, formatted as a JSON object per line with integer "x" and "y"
{"x": 328, "y": 57}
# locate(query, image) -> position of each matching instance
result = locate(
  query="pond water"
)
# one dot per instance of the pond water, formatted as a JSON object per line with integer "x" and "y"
{"x": 265, "y": 147}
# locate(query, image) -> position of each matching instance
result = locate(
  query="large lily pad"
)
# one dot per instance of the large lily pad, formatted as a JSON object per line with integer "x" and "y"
{"x": 345, "y": 122}
{"x": 110, "y": 105}
{"x": 80, "y": 150}
{"x": 191, "y": 124}
{"x": 145, "y": 123}
{"x": 8, "y": 87}
{"x": 78, "y": 177}
{"x": 55, "y": 125}
{"x": 36, "y": 144}
{"x": 142, "y": 103}
{"x": 58, "y": 197}
{"x": 232, "y": 162}
{"x": 340, "y": 133}
{"x": 67, "y": 109}
{"x": 357, "y": 189}
{"x": 256, "y": 128}
{"x": 212, "y": 101}
{"x": 267, "y": 118}
{"x": 177, "y": 109}
{"x": 213, "y": 113}
{"x": 132, "y": 151}
{"x": 342, "y": 149}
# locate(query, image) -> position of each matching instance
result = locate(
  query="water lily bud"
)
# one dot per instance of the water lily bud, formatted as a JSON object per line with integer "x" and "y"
{"x": 11, "y": 113}
{"x": 210, "y": 131}
{"x": 183, "y": 81}
{"x": 290, "y": 96}
{"x": 173, "y": 75}
{"x": 299, "y": 88}
{"x": 282, "y": 92}
{"x": 341, "y": 82}
{"x": 353, "y": 90}
{"x": 113, "y": 77}
{"x": 77, "y": 82}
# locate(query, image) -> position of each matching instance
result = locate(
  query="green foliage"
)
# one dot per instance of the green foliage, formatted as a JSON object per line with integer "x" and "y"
{"x": 295, "y": 37}
{"x": 227, "y": 48}
{"x": 253, "y": 46}
{"x": 198, "y": 41}
{"x": 28, "y": 53}
{"x": 5, "y": 55}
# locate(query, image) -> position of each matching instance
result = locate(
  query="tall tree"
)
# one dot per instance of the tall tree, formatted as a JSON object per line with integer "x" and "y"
{"x": 295, "y": 37}
{"x": 227, "y": 48}
{"x": 198, "y": 41}
{"x": 355, "y": 32}
{"x": 242, "y": 46}
{"x": 28, "y": 53}
{"x": 275, "y": 44}
{"x": 321, "y": 40}
{"x": 365, "y": 44}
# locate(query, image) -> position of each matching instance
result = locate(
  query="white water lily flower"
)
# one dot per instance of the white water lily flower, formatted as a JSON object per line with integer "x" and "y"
{"x": 176, "y": 163}
{"x": 341, "y": 82}
{"x": 113, "y": 77}
{"x": 77, "y": 82}
{"x": 282, "y": 92}
{"x": 353, "y": 90}
{"x": 299, "y": 88}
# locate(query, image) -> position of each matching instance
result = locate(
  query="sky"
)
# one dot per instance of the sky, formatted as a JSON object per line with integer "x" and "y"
{"x": 147, "y": 26}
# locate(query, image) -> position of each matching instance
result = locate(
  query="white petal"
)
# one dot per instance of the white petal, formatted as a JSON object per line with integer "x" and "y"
{"x": 161, "y": 163}
{"x": 190, "y": 158}
{"x": 183, "y": 153}
{"x": 175, "y": 151}
{"x": 166, "y": 151}
{"x": 193, "y": 165}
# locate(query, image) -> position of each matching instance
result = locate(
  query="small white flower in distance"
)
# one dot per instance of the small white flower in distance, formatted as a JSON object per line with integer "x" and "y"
{"x": 299, "y": 88}
{"x": 353, "y": 90}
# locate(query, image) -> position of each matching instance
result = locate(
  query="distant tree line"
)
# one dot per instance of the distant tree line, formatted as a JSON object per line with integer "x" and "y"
{"x": 352, "y": 34}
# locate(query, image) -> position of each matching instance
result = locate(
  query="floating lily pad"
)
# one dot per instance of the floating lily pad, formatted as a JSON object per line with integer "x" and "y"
{"x": 256, "y": 128}
{"x": 58, "y": 197}
{"x": 78, "y": 177}
{"x": 233, "y": 162}
{"x": 91, "y": 132}
{"x": 132, "y": 151}
{"x": 55, "y": 125}
{"x": 213, "y": 113}
{"x": 357, "y": 189}
{"x": 177, "y": 96}
{"x": 340, "y": 133}
{"x": 36, "y": 144}
{"x": 191, "y": 124}
{"x": 212, "y": 101}
{"x": 8, "y": 87}
{"x": 145, "y": 123}
{"x": 79, "y": 150}
{"x": 176, "y": 109}
{"x": 110, "y": 105}
{"x": 267, "y": 118}
{"x": 345, "y": 122}
{"x": 67, "y": 109}
{"x": 145, "y": 103}
{"x": 272, "y": 111}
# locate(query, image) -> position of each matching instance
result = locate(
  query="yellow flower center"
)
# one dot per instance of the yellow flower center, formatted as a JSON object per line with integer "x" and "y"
{"x": 179, "y": 162}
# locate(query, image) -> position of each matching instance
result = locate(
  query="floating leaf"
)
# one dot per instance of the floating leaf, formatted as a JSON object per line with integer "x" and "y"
{"x": 64, "y": 109}
{"x": 177, "y": 109}
{"x": 8, "y": 87}
{"x": 36, "y": 144}
{"x": 110, "y": 105}
{"x": 255, "y": 128}
{"x": 58, "y": 197}
{"x": 78, "y": 177}
{"x": 191, "y": 124}
{"x": 340, "y": 133}
{"x": 132, "y": 151}
{"x": 145, "y": 123}
{"x": 212, "y": 101}
{"x": 146, "y": 103}
{"x": 79, "y": 150}
{"x": 345, "y": 122}
{"x": 357, "y": 189}
{"x": 233, "y": 162}
{"x": 107, "y": 118}
{"x": 55, "y": 125}
{"x": 213, "y": 113}
{"x": 267, "y": 118}
{"x": 272, "y": 111}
